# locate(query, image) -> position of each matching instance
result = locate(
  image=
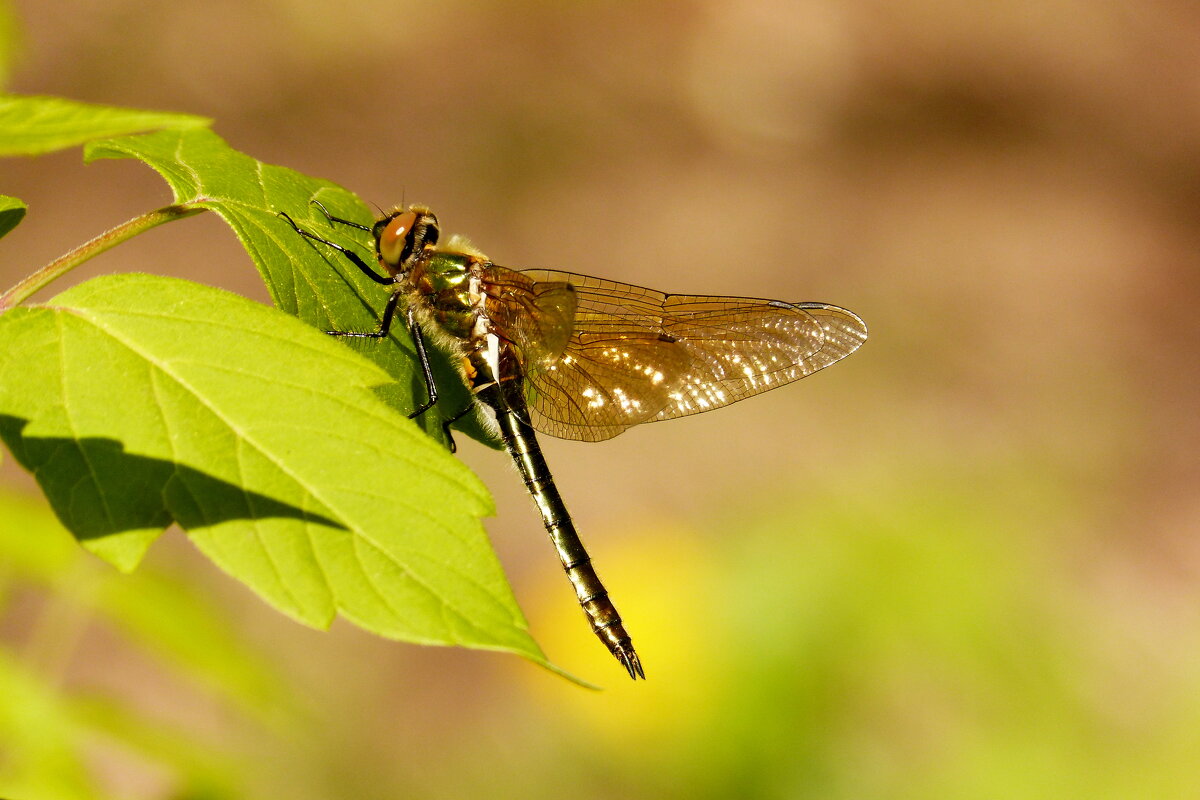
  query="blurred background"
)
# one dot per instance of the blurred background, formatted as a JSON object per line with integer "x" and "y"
{"x": 963, "y": 563}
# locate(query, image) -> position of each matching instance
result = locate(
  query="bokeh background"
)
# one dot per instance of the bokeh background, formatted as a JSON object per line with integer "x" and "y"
{"x": 963, "y": 563}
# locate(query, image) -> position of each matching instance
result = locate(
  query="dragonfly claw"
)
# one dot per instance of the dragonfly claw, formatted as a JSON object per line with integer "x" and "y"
{"x": 629, "y": 659}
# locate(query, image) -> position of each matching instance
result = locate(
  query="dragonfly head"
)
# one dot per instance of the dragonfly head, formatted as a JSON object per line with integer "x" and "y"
{"x": 402, "y": 236}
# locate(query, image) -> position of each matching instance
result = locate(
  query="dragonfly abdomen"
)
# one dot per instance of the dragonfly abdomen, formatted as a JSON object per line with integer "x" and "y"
{"x": 521, "y": 443}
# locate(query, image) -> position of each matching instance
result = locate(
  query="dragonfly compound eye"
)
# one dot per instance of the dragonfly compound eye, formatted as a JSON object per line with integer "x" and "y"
{"x": 403, "y": 235}
{"x": 395, "y": 241}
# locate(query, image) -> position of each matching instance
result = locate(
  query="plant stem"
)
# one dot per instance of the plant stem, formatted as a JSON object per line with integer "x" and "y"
{"x": 110, "y": 238}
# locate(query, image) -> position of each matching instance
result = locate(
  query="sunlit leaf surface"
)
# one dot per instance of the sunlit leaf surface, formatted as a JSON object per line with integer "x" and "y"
{"x": 31, "y": 125}
{"x": 139, "y": 401}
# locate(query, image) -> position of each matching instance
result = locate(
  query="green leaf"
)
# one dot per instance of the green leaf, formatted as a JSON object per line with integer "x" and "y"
{"x": 304, "y": 278}
{"x": 12, "y": 211}
{"x": 32, "y": 125}
{"x": 138, "y": 400}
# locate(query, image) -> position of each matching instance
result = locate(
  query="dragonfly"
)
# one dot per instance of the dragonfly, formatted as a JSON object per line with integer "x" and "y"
{"x": 582, "y": 358}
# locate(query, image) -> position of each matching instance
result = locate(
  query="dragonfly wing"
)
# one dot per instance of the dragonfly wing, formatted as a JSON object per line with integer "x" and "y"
{"x": 604, "y": 383}
{"x": 741, "y": 347}
{"x": 638, "y": 355}
{"x": 535, "y": 316}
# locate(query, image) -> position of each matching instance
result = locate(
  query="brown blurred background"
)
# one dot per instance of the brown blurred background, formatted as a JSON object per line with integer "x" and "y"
{"x": 962, "y": 563}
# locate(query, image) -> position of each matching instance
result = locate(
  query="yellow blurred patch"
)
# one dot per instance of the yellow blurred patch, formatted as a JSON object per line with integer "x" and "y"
{"x": 661, "y": 577}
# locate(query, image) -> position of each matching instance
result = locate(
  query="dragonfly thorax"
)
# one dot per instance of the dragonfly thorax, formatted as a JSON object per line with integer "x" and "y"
{"x": 447, "y": 286}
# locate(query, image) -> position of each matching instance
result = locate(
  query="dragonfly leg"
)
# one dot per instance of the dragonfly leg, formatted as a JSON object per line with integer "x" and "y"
{"x": 351, "y": 256}
{"x": 332, "y": 219}
{"x": 385, "y": 322}
{"x": 448, "y": 422}
{"x": 419, "y": 342}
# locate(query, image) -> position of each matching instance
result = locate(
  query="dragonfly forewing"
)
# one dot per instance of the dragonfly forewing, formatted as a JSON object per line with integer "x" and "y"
{"x": 741, "y": 347}
{"x": 637, "y": 355}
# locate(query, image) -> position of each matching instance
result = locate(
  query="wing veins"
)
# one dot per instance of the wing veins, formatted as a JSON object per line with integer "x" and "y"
{"x": 645, "y": 356}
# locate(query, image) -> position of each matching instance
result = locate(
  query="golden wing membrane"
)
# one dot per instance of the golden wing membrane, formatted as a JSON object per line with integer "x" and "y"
{"x": 536, "y": 316}
{"x": 636, "y": 355}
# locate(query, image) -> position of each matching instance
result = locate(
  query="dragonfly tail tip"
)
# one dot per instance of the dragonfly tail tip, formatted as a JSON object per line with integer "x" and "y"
{"x": 633, "y": 665}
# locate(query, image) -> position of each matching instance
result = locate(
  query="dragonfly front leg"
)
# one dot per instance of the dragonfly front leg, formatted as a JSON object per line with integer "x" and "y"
{"x": 389, "y": 310}
{"x": 350, "y": 255}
